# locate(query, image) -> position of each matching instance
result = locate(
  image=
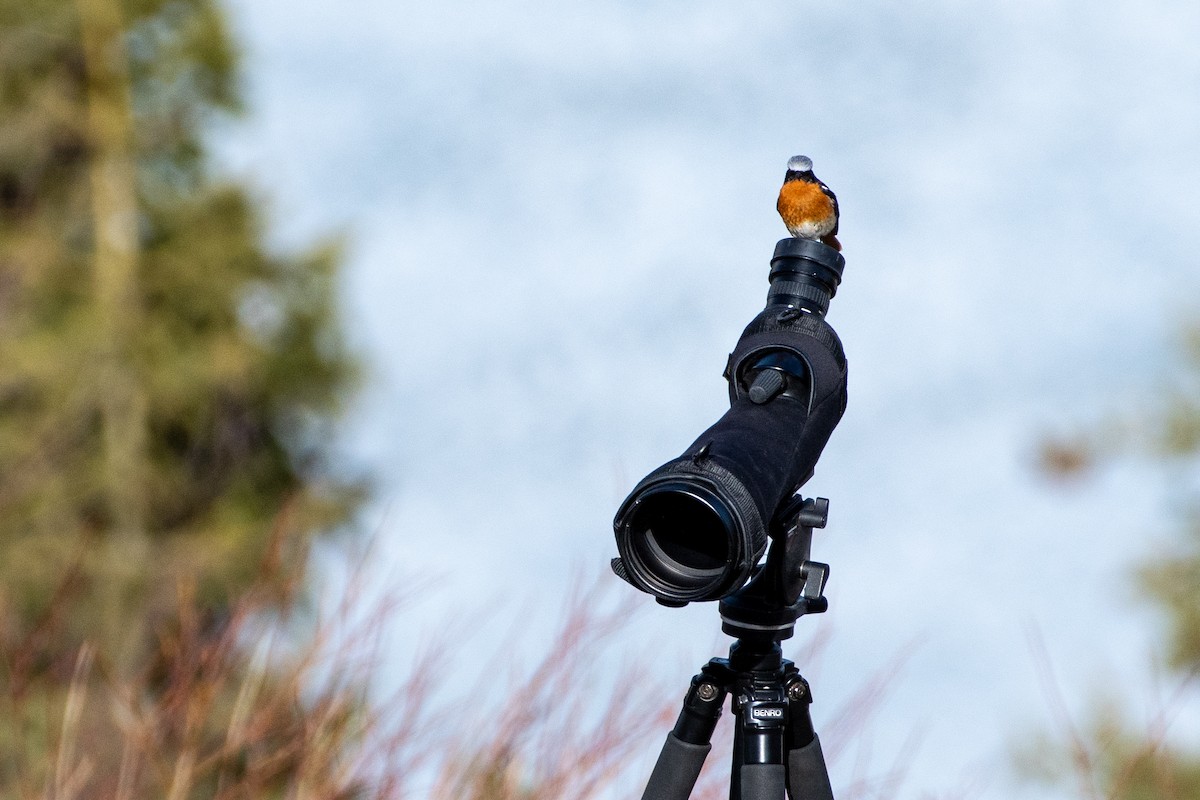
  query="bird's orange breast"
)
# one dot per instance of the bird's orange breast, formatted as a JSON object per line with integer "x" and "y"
{"x": 802, "y": 202}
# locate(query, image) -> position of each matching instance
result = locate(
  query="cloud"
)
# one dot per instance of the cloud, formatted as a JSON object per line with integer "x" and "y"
{"x": 562, "y": 216}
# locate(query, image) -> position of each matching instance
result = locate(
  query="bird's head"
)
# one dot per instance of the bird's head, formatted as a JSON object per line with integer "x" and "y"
{"x": 800, "y": 164}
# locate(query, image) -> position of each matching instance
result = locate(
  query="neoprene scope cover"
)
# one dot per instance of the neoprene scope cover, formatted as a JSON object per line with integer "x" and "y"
{"x": 694, "y": 528}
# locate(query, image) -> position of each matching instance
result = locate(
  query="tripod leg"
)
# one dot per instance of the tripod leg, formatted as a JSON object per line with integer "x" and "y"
{"x": 762, "y": 782}
{"x": 688, "y": 743}
{"x": 676, "y": 770}
{"x": 807, "y": 776}
{"x": 808, "y": 779}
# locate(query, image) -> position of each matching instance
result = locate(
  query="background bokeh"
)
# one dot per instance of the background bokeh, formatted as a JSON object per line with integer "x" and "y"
{"x": 559, "y": 217}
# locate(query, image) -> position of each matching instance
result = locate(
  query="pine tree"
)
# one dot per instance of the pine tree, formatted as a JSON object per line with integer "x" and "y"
{"x": 168, "y": 383}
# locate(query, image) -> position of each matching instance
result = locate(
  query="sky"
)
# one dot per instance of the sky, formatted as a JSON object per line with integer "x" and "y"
{"x": 559, "y": 217}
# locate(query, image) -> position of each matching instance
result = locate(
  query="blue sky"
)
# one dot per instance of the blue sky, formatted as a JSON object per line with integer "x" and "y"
{"x": 560, "y": 217}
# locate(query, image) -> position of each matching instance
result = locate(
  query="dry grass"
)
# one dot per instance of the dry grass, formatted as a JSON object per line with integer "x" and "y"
{"x": 562, "y": 730}
{"x": 239, "y": 706}
{"x": 1110, "y": 758}
{"x": 211, "y": 704}
{"x": 271, "y": 700}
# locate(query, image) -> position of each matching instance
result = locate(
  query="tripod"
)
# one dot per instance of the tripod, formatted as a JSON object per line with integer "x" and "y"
{"x": 774, "y": 744}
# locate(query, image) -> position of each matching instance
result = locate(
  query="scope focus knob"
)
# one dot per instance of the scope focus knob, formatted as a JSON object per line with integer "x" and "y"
{"x": 767, "y": 384}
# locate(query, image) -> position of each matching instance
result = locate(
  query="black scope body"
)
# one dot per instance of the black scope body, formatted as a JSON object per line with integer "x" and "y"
{"x": 694, "y": 528}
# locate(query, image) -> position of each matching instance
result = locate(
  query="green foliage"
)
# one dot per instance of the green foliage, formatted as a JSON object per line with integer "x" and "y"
{"x": 235, "y": 352}
{"x": 1112, "y": 758}
{"x": 1116, "y": 761}
{"x": 167, "y": 382}
{"x": 1174, "y": 582}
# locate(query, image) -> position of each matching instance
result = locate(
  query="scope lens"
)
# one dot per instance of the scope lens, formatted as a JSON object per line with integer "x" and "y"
{"x": 682, "y": 543}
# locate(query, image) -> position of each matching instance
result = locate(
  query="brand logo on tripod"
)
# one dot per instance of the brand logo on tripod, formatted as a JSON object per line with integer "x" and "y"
{"x": 767, "y": 713}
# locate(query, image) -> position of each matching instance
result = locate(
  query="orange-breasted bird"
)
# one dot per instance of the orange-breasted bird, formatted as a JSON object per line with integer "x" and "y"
{"x": 809, "y": 208}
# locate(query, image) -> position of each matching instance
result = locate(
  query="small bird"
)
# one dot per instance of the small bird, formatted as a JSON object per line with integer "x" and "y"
{"x": 809, "y": 208}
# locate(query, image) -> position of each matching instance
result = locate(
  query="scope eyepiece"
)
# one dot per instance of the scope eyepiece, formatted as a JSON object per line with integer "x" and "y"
{"x": 695, "y": 528}
{"x": 805, "y": 275}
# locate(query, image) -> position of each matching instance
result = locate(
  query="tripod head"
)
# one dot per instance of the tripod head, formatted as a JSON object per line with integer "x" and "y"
{"x": 787, "y": 585}
{"x": 774, "y": 745}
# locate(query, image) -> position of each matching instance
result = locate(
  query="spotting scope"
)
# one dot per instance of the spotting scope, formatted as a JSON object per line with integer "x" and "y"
{"x": 695, "y": 528}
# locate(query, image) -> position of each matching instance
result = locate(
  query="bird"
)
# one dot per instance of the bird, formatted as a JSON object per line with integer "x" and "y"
{"x": 809, "y": 208}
